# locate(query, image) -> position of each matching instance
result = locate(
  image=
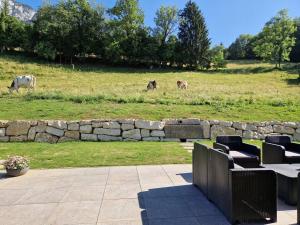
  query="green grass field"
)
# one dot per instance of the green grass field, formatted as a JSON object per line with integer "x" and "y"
{"x": 245, "y": 91}
{"x": 90, "y": 154}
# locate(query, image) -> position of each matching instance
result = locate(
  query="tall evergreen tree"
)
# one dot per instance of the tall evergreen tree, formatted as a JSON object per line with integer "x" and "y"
{"x": 193, "y": 37}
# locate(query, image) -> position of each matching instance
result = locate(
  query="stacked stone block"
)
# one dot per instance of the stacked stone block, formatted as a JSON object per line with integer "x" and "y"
{"x": 56, "y": 131}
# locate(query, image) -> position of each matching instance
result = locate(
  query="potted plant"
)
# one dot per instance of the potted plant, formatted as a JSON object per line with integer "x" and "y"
{"x": 16, "y": 166}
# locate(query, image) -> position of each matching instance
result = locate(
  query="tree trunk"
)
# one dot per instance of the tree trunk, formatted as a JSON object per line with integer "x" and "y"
{"x": 280, "y": 57}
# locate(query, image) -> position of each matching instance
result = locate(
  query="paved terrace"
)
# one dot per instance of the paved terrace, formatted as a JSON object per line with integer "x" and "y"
{"x": 142, "y": 195}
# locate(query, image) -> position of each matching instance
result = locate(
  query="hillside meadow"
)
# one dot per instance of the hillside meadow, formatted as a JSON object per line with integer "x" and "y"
{"x": 244, "y": 91}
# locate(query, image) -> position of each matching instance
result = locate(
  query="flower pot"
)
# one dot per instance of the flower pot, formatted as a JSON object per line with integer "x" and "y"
{"x": 16, "y": 172}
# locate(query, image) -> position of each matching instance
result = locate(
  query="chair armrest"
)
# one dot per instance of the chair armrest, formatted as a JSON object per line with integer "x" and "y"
{"x": 222, "y": 147}
{"x": 272, "y": 153}
{"x": 298, "y": 202}
{"x": 251, "y": 149}
{"x": 253, "y": 193}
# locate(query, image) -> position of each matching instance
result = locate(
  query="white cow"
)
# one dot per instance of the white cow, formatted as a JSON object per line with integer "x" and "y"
{"x": 25, "y": 81}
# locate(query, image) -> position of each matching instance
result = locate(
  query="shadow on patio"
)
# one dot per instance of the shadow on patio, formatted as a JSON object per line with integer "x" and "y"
{"x": 178, "y": 205}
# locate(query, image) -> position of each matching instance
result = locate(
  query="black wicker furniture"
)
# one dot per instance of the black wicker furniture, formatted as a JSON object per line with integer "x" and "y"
{"x": 287, "y": 181}
{"x": 243, "y": 195}
{"x": 298, "y": 204}
{"x": 280, "y": 149}
{"x": 245, "y": 155}
{"x": 200, "y": 166}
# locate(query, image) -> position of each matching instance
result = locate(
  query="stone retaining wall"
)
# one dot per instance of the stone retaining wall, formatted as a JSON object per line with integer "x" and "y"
{"x": 139, "y": 130}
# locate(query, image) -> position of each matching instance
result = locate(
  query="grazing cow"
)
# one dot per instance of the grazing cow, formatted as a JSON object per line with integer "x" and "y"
{"x": 182, "y": 84}
{"x": 25, "y": 81}
{"x": 151, "y": 85}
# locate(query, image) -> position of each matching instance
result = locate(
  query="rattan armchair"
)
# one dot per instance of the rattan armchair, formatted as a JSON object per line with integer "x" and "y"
{"x": 243, "y": 195}
{"x": 298, "y": 202}
{"x": 200, "y": 160}
{"x": 280, "y": 149}
{"x": 245, "y": 155}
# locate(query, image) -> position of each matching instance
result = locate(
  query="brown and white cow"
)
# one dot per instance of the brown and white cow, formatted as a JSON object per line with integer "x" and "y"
{"x": 152, "y": 85}
{"x": 182, "y": 84}
{"x": 25, "y": 81}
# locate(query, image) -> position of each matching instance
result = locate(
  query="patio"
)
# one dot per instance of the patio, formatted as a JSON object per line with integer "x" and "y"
{"x": 135, "y": 195}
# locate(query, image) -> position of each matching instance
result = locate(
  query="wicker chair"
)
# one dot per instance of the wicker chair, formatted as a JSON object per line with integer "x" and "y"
{"x": 280, "y": 149}
{"x": 245, "y": 155}
{"x": 200, "y": 160}
{"x": 243, "y": 195}
{"x": 298, "y": 202}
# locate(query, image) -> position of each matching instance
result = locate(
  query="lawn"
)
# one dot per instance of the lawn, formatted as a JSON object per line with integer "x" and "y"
{"x": 245, "y": 91}
{"x": 91, "y": 154}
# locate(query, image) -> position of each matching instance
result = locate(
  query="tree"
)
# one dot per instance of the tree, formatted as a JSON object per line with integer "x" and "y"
{"x": 4, "y": 14}
{"x": 87, "y": 26}
{"x": 12, "y": 30}
{"x": 276, "y": 40}
{"x": 147, "y": 47}
{"x": 193, "y": 37}
{"x": 28, "y": 38}
{"x": 70, "y": 28}
{"x": 295, "y": 53}
{"x": 15, "y": 33}
{"x": 241, "y": 48}
{"x": 166, "y": 20}
{"x": 47, "y": 41}
{"x": 127, "y": 20}
{"x": 217, "y": 56}
{"x": 127, "y": 15}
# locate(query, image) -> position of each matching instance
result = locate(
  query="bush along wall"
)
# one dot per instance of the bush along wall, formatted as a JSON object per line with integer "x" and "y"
{"x": 57, "y": 131}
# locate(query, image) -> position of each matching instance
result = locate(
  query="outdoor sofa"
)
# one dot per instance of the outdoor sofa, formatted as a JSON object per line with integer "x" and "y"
{"x": 280, "y": 149}
{"x": 245, "y": 155}
{"x": 243, "y": 195}
{"x": 298, "y": 203}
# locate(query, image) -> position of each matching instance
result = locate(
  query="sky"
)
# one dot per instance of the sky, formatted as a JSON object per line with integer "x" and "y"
{"x": 225, "y": 19}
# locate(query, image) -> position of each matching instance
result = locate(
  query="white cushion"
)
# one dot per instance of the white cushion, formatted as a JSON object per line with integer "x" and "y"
{"x": 291, "y": 154}
{"x": 240, "y": 154}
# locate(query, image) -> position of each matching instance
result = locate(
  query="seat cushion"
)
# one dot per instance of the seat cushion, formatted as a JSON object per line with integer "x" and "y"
{"x": 237, "y": 166}
{"x": 292, "y": 154}
{"x": 292, "y": 157}
{"x": 241, "y": 154}
{"x": 244, "y": 159}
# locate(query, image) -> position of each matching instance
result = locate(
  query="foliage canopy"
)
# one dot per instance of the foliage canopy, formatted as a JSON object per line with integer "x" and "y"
{"x": 276, "y": 40}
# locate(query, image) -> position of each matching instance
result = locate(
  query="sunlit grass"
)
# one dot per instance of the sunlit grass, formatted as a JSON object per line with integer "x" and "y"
{"x": 244, "y": 91}
{"x": 90, "y": 154}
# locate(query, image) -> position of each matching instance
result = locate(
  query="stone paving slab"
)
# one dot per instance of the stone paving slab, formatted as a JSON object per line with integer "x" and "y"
{"x": 134, "y": 195}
